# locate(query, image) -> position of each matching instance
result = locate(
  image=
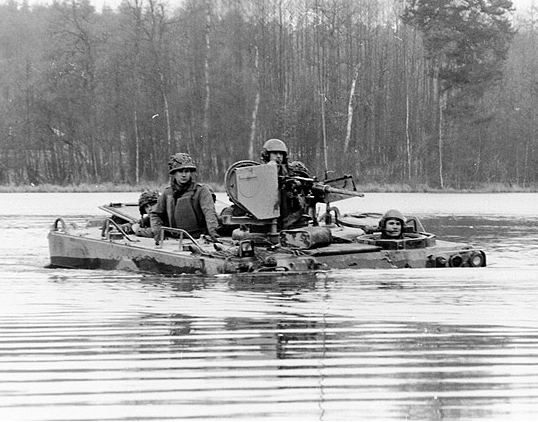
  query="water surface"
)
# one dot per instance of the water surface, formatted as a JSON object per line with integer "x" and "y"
{"x": 422, "y": 344}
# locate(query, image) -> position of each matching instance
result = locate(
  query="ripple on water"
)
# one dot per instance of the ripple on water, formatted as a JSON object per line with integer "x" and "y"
{"x": 372, "y": 344}
{"x": 412, "y": 344}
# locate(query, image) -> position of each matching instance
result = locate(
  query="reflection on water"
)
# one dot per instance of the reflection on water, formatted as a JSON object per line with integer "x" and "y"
{"x": 434, "y": 344}
{"x": 333, "y": 346}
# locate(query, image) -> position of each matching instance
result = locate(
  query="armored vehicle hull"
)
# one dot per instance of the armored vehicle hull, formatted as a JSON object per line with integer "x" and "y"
{"x": 342, "y": 243}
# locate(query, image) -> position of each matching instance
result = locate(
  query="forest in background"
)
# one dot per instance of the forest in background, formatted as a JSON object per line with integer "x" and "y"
{"x": 376, "y": 89}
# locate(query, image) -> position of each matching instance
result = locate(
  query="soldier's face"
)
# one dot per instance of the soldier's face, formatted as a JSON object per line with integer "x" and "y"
{"x": 150, "y": 207}
{"x": 393, "y": 227}
{"x": 183, "y": 176}
{"x": 276, "y": 156}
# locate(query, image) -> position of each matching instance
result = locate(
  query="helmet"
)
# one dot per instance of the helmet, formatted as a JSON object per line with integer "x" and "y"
{"x": 391, "y": 214}
{"x": 148, "y": 197}
{"x": 298, "y": 168}
{"x": 273, "y": 145}
{"x": 181, "y": 161}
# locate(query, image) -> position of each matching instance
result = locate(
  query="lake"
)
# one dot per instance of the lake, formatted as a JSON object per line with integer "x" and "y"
{"x": 418, "y": 344}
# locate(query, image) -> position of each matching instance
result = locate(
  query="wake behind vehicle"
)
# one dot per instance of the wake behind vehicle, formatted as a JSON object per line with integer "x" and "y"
{"x": 257, "y": 241}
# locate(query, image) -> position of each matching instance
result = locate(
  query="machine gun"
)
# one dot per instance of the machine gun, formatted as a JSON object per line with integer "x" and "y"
{"x": 315, "y": 192}
{"x": 264, "y": 197}
{"x": 320, "y": 190}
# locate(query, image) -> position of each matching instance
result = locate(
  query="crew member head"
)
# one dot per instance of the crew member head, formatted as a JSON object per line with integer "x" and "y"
{"x": 392, "y": 224}
{"x": 298, "y": 168}
{"x": 147, "y": 201}
{"x": 181, "y": 166}
{"x": 275, "y": 150}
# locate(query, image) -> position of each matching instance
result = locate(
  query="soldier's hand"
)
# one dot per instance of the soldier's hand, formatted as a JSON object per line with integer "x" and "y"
{"x": 215, "y": 238}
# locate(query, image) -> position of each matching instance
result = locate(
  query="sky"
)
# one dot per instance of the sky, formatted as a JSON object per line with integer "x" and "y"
{"x": 523, "y": 4}
{"x": 518, "y": 4}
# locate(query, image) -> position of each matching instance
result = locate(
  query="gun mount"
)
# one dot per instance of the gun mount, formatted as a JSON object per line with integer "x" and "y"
{"x": 323, "y": 190}
{"x": 260, "y": 192}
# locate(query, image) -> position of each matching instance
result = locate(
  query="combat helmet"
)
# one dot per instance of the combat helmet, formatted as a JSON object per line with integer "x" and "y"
{"x": 273, "y": 145}
{"x": 391, "y": 214}
{"x": 298, "y": 168}
{"x": 148, "y": 197}
{"x": 181, "y": 161}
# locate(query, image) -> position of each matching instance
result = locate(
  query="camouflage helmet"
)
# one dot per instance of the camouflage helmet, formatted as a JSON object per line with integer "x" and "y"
{"x": 391, "y": 214}
{"x": 181, "y": 161}
{"x": 273, "y": 145}
{"x": 298, "y": 168}
{"x": 148, "y": 197}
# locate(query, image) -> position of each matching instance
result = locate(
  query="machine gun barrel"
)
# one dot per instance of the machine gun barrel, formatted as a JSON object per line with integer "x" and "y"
{"x": 322, "y": 188}
{"x": 330, "y": 189}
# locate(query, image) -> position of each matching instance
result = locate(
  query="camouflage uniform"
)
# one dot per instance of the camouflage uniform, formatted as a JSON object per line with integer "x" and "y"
{"x": 189, "y": 207}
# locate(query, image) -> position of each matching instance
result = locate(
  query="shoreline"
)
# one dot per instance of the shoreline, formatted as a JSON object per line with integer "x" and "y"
{"x": 368, "y": 188}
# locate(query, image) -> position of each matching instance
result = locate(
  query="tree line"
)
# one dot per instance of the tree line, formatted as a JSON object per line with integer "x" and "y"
{"x": 433, "y": 92}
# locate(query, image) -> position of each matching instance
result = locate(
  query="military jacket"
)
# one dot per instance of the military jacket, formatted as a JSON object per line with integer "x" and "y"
{"x": 192, "y": 210}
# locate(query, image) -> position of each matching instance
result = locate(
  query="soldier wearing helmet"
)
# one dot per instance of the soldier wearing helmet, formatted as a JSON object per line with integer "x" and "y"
{"x": 293, "y": 202}
{"x": 274, "y": 150}
{"x": 185, "y": 204}
{"x": 392, "y": 225}
{"x": 147, "y": 200}
{"x": 146, "y": 204}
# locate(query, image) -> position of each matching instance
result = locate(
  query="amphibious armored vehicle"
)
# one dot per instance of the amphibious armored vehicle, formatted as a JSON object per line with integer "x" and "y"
{"x": 256, "y": 240}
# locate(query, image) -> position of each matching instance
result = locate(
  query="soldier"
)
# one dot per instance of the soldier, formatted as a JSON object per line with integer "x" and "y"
{"x": 294, "y": 198}
{"x": 142, "y": 228}
{"x": 276, "y": 151}
{"x": 293, "y": 211}
{"x": 185, "y": 204}
{"x": 392, "y": 225}
{"x": 146, "y": 204}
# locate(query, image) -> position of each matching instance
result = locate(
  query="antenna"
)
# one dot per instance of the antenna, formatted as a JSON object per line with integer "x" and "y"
{"x": 323, "y": 99}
